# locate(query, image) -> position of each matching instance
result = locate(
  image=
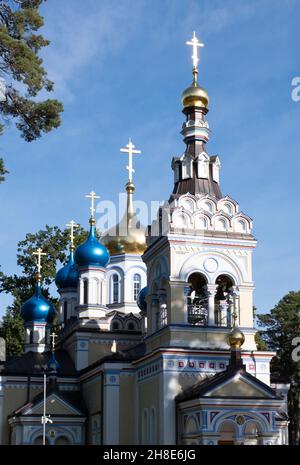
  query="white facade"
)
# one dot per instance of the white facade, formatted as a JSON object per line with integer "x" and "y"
{"x": 126, "y": 276}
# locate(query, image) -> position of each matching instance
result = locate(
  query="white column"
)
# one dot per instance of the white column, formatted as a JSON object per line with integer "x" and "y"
{"x": 82, "y": 354}
{"x": 168, "y": 390}
{"x": 211, "y": 289}
{"x": 111, "y": 400}
{"x": 186, "y": 291}
{"x": 236, "y": 305}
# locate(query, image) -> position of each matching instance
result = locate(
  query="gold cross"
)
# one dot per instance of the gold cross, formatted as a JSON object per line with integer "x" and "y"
{"x": 195, "y": 43}
{"x": 92, "y": 195}
{"x": 52, "y": 337}
{"x": 130, "y": 150}
{"x": 39, "y": 254}
{"x": 72, "y": 225}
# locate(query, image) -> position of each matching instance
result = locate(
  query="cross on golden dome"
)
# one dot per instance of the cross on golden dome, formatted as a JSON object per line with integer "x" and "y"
{"x": 195, "y": 43}
{"x": 130, "y": 149}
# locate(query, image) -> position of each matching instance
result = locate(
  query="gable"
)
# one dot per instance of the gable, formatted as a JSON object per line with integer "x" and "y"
{"x": 54, "y": 406}
{"x": 238, "y": 387}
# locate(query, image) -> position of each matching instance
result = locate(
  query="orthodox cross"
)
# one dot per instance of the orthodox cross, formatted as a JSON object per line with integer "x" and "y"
{"x": 130, "y": 150}
{"x": 39, "y": 254}
{"x": 92, "y": 195}
{"x": 72, "y": 225}
{"x": 195, "y": 43}
{"x": 52, "y": 337}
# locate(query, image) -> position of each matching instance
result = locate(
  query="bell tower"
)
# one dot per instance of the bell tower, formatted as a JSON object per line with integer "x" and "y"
{"x": 199, "y": 255}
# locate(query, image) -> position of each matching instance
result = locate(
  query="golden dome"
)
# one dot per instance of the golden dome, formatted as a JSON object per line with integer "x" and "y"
{"x": 235, "y": 338}
{"x": 133, "y": 242}
{"x": 126, "y": 237}
{"x": 195, "y": 96}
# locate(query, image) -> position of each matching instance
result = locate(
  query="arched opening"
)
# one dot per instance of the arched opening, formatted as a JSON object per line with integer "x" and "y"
{"x": 191, "y": 426}
{"x": 116, "y": 326}
{"x": 39, "y": 441}
{"x": 136, "y": 285}
{"x": 115, "y": 288}
{"x": 197, "y": 303}
{"x": 131, "y": 326}
{"x": 65, "y": 311}
{"x": 252, "y": 433}
{"x": 62, "y": 441}
{"x": 227, "y": 434}
{"x": 85, "y": 292}
{"x": 224, "y": 301}
{"x": 95, "y": 294}
{"x": 31, "y": 334}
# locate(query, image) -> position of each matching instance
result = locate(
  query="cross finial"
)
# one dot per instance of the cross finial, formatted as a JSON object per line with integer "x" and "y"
{"x": 53, "y": 336}
{"x": 92, "y": 195}
{"x": 130, "y": 149}
{"x": 72, "y": 225}
{"x": 195, "y": 43}
{"x": 39, "y": 254}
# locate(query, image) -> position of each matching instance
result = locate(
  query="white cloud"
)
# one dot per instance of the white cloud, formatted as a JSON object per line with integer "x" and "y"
{"x": 83, "y": 32}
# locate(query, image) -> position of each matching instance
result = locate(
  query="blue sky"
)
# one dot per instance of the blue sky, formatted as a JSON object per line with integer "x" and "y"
{"x": 120, "y": 67}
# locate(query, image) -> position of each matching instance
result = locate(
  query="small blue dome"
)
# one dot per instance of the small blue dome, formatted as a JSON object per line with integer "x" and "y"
{"x": 67, "y": 277}
{"x": 37, "y": 308}
{"x": 92, "y": 252}
{"x": 141, "y": 299}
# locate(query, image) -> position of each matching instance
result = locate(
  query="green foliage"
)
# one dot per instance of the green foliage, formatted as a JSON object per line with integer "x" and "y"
{"x": 279, "y": 328}
{"x": 12, "y": 329}
{"x": 54, "y": 243}
{"x": 23, "y": 71}
{"x": 3, "y": 171}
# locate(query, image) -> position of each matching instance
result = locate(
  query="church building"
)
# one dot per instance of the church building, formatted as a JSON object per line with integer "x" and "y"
{"x": 156, "y": 341}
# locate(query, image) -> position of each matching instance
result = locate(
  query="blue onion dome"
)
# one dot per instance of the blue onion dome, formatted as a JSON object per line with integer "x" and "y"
{"x": 141, "y": 299}
{"x": 67, "y": 277}
{"x": 37, "y": 308}
{"x": 92, "y": 252}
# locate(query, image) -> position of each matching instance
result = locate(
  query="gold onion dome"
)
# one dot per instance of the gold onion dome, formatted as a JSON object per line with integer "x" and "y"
{"x": 235, "y": 338}
{"x": 126, "y": 236}
{"x": 195, "y": 96}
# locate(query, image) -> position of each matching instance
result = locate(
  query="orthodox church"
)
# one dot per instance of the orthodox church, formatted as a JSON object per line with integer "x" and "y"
{"x": 156, "y": 341}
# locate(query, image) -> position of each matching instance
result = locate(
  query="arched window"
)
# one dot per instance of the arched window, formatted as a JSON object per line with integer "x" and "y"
{"x": 136, "y": 285}
{"x": 227, "y": 433}
{"x": 115, "y": 325}
{"x": 115, "y": 289}
{"x": 65, "y": 311}
{"x": 85, "y": 291}
{"x": 225, "y": 301}
{"x": 62, "y": 441}
{"x": 197, "y": 301}
{"x": 131, "y": 326}
{"x": 31, "y": 336}
{"x": 163, "y": 315}
{"x": 39, "y": 441}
